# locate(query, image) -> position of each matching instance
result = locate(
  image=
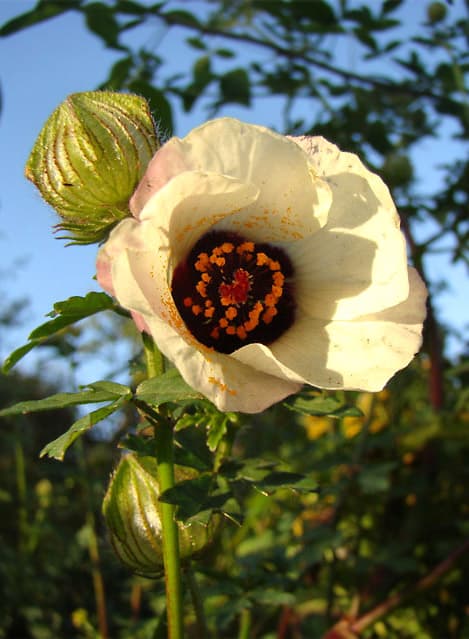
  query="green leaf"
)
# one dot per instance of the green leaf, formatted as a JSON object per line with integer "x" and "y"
{"x": 169, "y": 387}
{"x": 181, "y": 17}
{"x": 44, "y": 10}
{"x": 235, "y": 87}
{"x": 160, "y": 107}
{"x": 101, "y": 21}
{"x": 119, "y": 74}
{"x": 189, "y": 496}
{"x": 391, "y": 5}
{"x": 18, "y": 354}
{"x": 73, "y": 310}
{"x": 323, "y": 406}
{"x": 216, "y": 430}
{"x": 281, "y": 479}
{"x": 271, "y": 597}
{"x": 64, "y": 314}
{"x": 57, "y": 448}
{"x": 95, "y": 393}
{"x": 376, "y": 479}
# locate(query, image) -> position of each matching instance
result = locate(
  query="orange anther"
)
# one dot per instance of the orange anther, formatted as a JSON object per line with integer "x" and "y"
{"x": 245, "y": 247}
{"x": 241, "y": 332}
{"x": 202, "y": 263}
{"x": 227, "y": 247}
{"x": 274, "y": 265}
{"x": 231, "y": 330}
{"x": 209, "y": 311}
{"x": 251, "y": 324}
{"x": 196, "y": 309}
{"x": 188, "y": 301}
{"x": 201, "y": 288}
{"x": 231, "y": 312}
{"x": 270, "y": 300}
{"x": 262, "y": 259}
{"x": 277, "y": 291}
{"x": 278, "y": 278}
{"x": 223, "y": 322}
{"x": 269, "y": 315}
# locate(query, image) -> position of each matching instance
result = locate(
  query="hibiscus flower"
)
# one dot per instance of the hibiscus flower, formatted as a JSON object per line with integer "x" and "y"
{"x": 260, "y": 263}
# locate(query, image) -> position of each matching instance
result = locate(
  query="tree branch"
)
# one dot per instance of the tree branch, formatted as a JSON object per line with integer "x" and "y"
{"x": 350, "y": 629}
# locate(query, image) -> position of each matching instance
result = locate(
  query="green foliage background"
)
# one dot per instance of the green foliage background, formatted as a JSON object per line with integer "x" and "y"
{"x": 380, "y": 549}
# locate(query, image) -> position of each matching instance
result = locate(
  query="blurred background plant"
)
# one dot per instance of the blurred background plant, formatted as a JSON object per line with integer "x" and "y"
{"x": 380, "y": 549}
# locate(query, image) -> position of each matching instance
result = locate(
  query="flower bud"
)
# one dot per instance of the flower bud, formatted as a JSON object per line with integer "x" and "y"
{"x": 131, "y": 511}
{"x": 89, "y": 158}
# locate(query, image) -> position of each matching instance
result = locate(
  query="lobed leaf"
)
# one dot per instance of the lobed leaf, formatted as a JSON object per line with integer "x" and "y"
{"x": 65, "y": 313}
{"x": 169, "y": 387}
{"x": 322, "y": 406}
{"x": 58, "y": 447}
{"x": 94, "y": 394}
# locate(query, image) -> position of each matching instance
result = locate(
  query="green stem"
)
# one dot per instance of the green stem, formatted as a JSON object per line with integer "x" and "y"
{"x": 153, "y": 357}
{"x": 245, "y": 624}
{"x": 164, "y": 448}
{"x": 23, "y": 524}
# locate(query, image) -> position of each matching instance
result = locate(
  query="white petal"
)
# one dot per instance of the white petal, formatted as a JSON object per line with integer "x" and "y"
{"x": 171, "y": 222}
{"x": 293, "y": 202}
{"x": 192, "y": 203}
{"x": 362, "y": 354}
{"x": 357, "y": 263}
{"x": 126, "y": 234}
{"x": 229, "y": 384}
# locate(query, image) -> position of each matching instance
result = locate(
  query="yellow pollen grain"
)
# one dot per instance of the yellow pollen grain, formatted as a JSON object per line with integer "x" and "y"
{"x": 269, "y": 315}
{"x": 196, "y": 309}
{"x": 231, "y": 312}
{"x": 231, "y": 330}
{"x": 223, "y": 322}
{"x": 188, "y": 301}
{"x": 222, "y": 386}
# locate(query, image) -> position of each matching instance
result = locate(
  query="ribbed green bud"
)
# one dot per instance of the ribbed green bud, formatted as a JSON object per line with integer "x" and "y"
{"x": 130, "y": 508}
{"x": 89, "y": 158}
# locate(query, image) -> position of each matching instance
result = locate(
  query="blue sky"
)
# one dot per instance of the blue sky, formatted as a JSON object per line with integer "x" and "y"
{"x": 39, "y": 68}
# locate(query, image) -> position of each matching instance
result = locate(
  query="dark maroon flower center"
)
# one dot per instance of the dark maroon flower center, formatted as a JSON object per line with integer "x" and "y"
{"x": 230, "y": 291}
